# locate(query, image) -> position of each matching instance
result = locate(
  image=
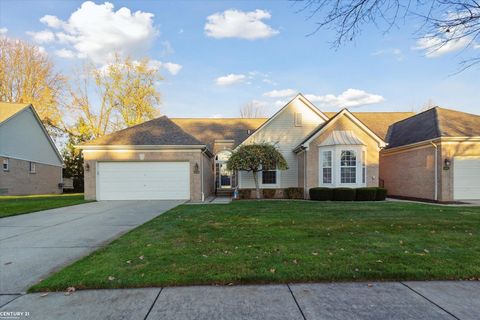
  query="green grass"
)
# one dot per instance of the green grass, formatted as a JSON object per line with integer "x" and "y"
{"x": 285, "y": 241}
{"x": 15, "y": 205}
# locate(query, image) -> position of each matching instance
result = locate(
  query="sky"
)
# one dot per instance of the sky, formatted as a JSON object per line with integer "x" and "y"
{"x": 217, "y": 56}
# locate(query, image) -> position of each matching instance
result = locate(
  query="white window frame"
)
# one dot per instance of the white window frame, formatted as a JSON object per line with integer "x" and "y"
{"x": 270, "y": 185}
{"x": 298, "y": 121}
{"x": 6, "y": 161}
{"x": 355, "y": 154}
{"x": 361, "y": 154}
{"x": 32, "y": 167}
{"x": 332, "y": 156}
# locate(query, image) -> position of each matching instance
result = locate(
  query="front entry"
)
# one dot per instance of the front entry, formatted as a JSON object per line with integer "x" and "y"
{"x": 225, "y": 176}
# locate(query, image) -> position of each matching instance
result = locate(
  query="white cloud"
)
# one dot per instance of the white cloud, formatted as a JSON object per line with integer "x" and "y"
{"x": 230, "y": 79}
{"x": 171, "y": 67}
{"x": 436, "y": 46}
{"x": 448, "y": 39}
{"x": 3, "y": 30}
{"x": 280, "y": 93}
{"x": 238, "y": 24}
{"x": 97, "y": 31}
{"x": 44, "y": 36}
{"x": 51, "y": 21}
{"x": 216, "y": 116}
{"x": 65, "y": 53}
{"x": 348, "y": 98}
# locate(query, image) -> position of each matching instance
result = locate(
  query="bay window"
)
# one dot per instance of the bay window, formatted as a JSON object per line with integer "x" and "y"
{"x": 342, "y": 165}
{"x": 348, "y": 167}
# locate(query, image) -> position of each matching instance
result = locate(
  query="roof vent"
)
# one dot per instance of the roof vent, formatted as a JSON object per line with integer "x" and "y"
{"x": 249, "y": 131}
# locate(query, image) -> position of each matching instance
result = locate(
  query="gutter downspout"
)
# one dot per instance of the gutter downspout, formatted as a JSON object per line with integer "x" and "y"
{"x": 436, "y": 170}
{"x": 305, "y": 174}
{"x": 201, "y": 174}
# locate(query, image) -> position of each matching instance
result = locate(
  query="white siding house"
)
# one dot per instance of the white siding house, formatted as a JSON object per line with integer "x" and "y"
{"x": 286, "y": 129}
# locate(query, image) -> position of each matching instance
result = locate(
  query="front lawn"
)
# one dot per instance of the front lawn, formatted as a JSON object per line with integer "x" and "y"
{"x": 14, "y": 205}
{"x": 285, "y": 241}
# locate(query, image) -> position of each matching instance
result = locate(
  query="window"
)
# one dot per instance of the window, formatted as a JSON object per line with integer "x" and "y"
{"x": 348, "y": 167}
{"x": 298, "y": 119}
{"x": 5, "y": 164}
{"x": 32, "y": 168}
{"x": 364, "y": 166}
{"x": 269, "y": 176}
{"x": 327, "y": 167}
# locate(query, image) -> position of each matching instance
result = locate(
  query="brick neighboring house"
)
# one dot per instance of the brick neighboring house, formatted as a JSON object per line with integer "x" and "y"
{"x": 31, "y": 164}
{"x": 433, "y": 155}
{"x": 186, "y": 158}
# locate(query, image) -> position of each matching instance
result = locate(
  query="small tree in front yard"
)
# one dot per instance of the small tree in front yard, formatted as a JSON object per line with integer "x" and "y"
{"x": 255, "y": 158}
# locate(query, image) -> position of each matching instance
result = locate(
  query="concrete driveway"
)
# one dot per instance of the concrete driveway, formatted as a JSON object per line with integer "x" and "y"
{"x": 34, "y": 245}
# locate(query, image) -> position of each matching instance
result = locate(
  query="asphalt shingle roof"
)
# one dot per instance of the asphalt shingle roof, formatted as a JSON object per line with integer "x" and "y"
{"x": 378, "y": 122}
{"x": 208, "y": 130}
{"x": 433, "y": 123}
{"x": 159, "y": 131}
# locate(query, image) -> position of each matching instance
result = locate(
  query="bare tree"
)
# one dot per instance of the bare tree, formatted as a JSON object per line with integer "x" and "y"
{"x": 252, "y": 110}
{"x": 444, "y": 22}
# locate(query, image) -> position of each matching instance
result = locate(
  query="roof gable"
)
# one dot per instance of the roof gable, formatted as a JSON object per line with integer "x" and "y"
{"x": 298, "y": 98}
{"x": 378, "y": 122}
{"x": 323, "y": 127}
{"x": 23, "y": 139}
{"x": 159, "y": 131}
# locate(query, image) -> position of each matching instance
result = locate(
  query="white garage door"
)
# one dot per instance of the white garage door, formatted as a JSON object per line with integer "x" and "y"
{"x": 466, "y": 178}
{"x": 143, "y": 181}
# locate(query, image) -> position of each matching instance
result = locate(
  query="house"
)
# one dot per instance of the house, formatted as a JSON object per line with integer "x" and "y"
{"x": 433, "y": 155}
{"x": 170, "y": 158}
{"x": 31, "y": 163}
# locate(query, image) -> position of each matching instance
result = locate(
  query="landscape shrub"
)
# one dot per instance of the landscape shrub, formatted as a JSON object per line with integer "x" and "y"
{"x": 344, "y": 194}
{"x": 381, "y": 194}
{"x": 321, "y": 194}
{"x": 294, "y": 193}
{"x": 269, "y": 193}
{"x": 366, "y": 194}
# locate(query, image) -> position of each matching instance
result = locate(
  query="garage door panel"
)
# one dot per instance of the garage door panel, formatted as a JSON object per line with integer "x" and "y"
{"x": 143, "y": 180}
{"x": 466, "y": 178}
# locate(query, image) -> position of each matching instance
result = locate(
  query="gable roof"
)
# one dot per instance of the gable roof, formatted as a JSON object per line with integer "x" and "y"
{"x": 304, "y": 100}
{"x": 8, "y": 110}
{"x": 159, "y": 131}
{"x": 342, "y": 137}
{"x": 207, "y": 130}
{"x": 378, "y": 122}
{"x": 321, "y": 128}
{"x": 433, "y": 123}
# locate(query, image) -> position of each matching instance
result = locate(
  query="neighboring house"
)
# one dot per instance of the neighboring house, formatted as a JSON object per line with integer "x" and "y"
{"x": 186, "y": 158}
{"x": 31, "y": 164}
{"x": 433, "y": 155}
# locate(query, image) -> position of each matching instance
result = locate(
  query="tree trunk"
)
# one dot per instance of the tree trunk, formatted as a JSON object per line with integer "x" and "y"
{"x": 257, "y": 187}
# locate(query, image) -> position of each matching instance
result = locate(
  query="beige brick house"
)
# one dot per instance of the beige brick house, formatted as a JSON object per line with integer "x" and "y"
{"x": 31, "y": 164}
{"x": 186, "y": 158}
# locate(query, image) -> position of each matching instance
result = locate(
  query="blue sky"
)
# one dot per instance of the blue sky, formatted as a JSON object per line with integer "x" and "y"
{"x": 217, "y": 56}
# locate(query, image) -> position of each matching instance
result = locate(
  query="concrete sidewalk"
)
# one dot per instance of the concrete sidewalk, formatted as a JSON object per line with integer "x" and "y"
{"x": 380, "y": 300}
